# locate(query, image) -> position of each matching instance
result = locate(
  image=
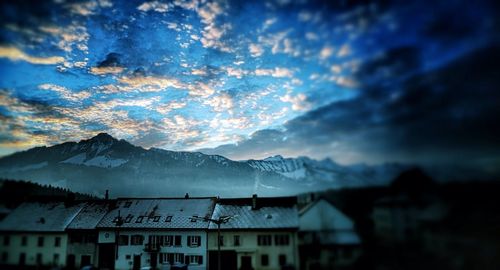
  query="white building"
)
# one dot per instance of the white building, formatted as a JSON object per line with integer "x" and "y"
{"x": 82, "y": 234}
{"x": 261, "y": 234}
{"x": 34, "y": 234}
{"x": 327, "y": 237}
{"x": 155, "y": 232}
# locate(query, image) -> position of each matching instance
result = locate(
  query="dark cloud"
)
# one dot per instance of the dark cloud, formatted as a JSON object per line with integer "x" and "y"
{"x": 112, "y": 60}
{"x": 444, "y": 116}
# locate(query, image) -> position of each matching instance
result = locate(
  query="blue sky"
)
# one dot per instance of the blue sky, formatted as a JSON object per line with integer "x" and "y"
{"x": 214, "y": 75}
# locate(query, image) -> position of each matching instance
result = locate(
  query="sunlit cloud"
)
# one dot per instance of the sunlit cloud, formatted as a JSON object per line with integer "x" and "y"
{"x": 277, "y": 72}
{"x": 345, "y": 50}
{"x": 66, "y": 93}
{"x": 299, "y": 102}
{"x": 255, "y": 50}
{"x": 220, "y": 103}
{"x": 153, "y": 5}
{"x": 170, "y": 106}
{"x": 15, "y": 54}
{"x": 106, "y": 70}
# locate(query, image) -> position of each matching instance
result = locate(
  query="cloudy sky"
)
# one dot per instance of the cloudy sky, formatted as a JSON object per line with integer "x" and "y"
{"x": 356, "y": 81}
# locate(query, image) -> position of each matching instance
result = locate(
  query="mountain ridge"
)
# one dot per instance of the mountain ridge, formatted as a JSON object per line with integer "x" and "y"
{"x": 104, "y": 162}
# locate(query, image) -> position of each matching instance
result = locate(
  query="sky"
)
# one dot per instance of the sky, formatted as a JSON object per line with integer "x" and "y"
{"x": 355, "y": 81}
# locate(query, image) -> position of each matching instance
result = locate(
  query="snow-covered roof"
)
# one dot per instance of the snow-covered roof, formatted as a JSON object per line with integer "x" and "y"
{"x": 40, "y": 217}
{"x": 161, "y": 213}
{"x": 90, "y": 215}
{"x": 266, "y": 216}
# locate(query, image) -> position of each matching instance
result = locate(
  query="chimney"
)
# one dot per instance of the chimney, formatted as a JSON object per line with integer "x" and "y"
{"x": 106, "y": 197}
{"x": 186, "y": 196}
{"x": 254, "y": 202}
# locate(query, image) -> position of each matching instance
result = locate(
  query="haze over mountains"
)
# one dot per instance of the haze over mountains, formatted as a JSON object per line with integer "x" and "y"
{"x": 103, "y": 162}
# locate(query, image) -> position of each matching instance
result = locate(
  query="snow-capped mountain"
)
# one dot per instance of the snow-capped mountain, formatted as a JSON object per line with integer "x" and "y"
{"x": 104, "y": 162}
{"x": 328, "y": 172}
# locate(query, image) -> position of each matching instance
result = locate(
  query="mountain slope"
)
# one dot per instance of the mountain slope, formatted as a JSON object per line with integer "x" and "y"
{"x": 103, "y": 162}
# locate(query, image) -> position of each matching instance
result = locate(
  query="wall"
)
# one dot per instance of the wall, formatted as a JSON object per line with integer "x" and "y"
{"x": 127, "y": 263}
{"x": 249, "y": 247}
{"x": 15, "y": 248}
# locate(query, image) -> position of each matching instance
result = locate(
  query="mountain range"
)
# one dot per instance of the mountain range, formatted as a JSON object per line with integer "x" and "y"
{"x": 105, "y": 163}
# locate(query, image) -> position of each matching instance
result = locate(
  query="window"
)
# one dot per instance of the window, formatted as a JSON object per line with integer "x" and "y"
{"x": 168, "y": 240}
{"x": 168, "y": 219}
{"x": 281, "y": 240}
{"x": 123, "y": 240}
{"x": 139, "y": 219}
{"x": 282, "y": 259}
{"x": 264, "y": 260}
{"x": 6, "y": 240}
{"x": 264, "y": 240}
{"x": 177, "y": 242}
{"x": 136, "y": 240}
{"x": 22, "y": 258}
{"x": 156, "y": 218}
{"x": 5, "y": 257}
{"x": 193, "y": 241}
{"x": 171, "y": 258}
{"x": 24, "y": 241}
{"x": 194, "y": 259}
{"x": 221, "y": 240}
{"x": 129, "y": 218}
{"x": 236, "y": 240}
{"x": 57, "y": 241}
{"x": 40, "y": 241}
{"x": 39, "y": 258}
{"x": 56, "y": 259}
{"x": 127, "y": 204}
{"x": 128, "y": 257}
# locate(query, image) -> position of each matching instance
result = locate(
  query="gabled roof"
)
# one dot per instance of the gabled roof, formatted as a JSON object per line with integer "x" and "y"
{"x": 271, "y": 213}
{"x": 90, "y": 215}
{"x": 41, "y": 217}
{"x": 163, "y": 213}
{"x": 321, "y": 215}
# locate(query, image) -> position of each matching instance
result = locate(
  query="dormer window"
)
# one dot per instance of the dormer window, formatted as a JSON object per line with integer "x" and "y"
{"x": 156, "y": 219}
{"x": 194, "y": 218}
{"x": 129, "y": 218}
{"x": 139, "y": 219}
{"x": 168, "y": 219}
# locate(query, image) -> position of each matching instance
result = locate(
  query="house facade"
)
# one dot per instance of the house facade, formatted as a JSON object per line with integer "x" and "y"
{"x": 260, "y": 234}
{"x": 327, "y": 237}
{"x": 155, "y": 232}
{"x": 34, "y": 234}
{"x": 82, "y": 234}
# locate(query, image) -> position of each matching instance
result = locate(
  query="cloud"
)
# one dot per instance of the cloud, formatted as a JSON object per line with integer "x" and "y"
{"x": 255, "y": 50}
{"x": 66, "y": 93}
{"x": 110, "y": 65}
{"x": 277, "y": 72}
{"x": 433, "y": 117}
{"x": 220, "y": 103}
{"x": 326, "y": 52}
{"x": 15, "y": 54}
{"x": 153, "y": 5}
{"x": 344, "y": 51}
{"x": 170, "y": 106}
{"x": 299, "y": 102}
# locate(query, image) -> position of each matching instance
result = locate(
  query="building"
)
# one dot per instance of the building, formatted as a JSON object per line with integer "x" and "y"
{"x": 154, "y": 232}
{"x": 327, "y": 237}
{"x": 260, "y": 234}
{"x": 82, "y": 234}
{"x": 34, "y": 234}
